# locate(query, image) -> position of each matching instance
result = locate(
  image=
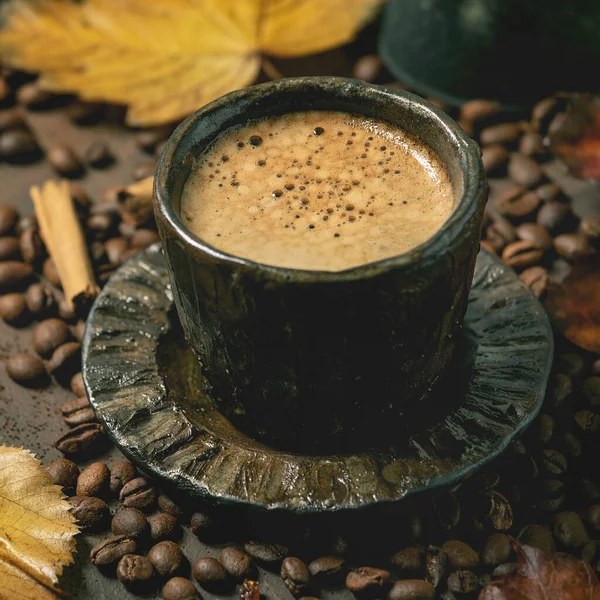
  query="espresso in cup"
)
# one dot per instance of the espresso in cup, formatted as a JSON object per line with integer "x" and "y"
{"x": 317, "y": 190}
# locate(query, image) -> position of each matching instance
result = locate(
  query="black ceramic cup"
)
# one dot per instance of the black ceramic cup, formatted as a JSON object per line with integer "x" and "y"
{"x": 295, "y": 357}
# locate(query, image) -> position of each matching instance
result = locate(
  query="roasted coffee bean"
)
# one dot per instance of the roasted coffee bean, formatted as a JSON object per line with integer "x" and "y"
{"x": 265, "y": 553}
{"x": 477, "y": 110}
{"x": 142, "y": 238}
{"x": 98, "y": 155}
{"x": 33, "y": 96}
{"x": 535, "y": 233}
{"x": 179, "y": 588}
{"x": 93, "y": 481}
{"x": 589, "y": 551}
{"x": 8, "y": 219}
{"x": 408, "y": 559}
{"x": 63, "y": 472}
{"x": 522, "y": 254}
{"x": 26, "y": 369}
{"x": 210, "y": 574}
{"x": 19, "y": 146}
{"x": 11, "y": 119}
{"x": 164, "y": 527}
{"x": 525, "y": 171}
{"x": 138, "y": 493}
{"x": 50, "y": 335}
{"x": 460, "y": 555}
{"x": 496, "y": 550}
{"x": 573, "y": 447}
{"x": 447, "y": 510}
{"x": 327, "y": 570}
{"x": 560, "y": 389}
{"x": 504, "y": 133}
{"x": 573, "y": 246}
{"x": 587, "y": 421}
{"x": 556, "y": 217}
{"x": 538, "y": 536}
{"x": 65, "y": 311}
{"x": 9, "y": 248}
{"x": 39, "y": 299}
{"x": 592, "y": 517}
{"x": 494, "y": 158}
{"x": 120, "y": 474}
{"x": 368, "y": 581}
{"x": 79, "y": 330}
{"x": 484, "y": 245}
{"x": 590, "y": 228}
{"x": 24, "y": 223}
{"x": 546, "y": 427}
{"x": 13, "y": 275}
{"x": 65, "y": 361}
{"x": 367, "y": 68}
{"x": 550, "y": 192}
{"x": 552, "y": 489}
{"x": 569, "y": 530}
{"x": 101, "y": 224}
{"x": 64, "y": 161}
{"x": 537, "y": 280}
{"x": 295, "y": 575}
{"x": 111, "y": 550}
{"x": 463, "y": 582}
{"x": 412, "y": 589}
{"x": 203, "y": 525}
{"x": 31, "y": 246}
{"x": 167, "y": 558}
{"x": 115, "y": 248}
{"x": 167, "y": 505}
{"x": 500, "y": 233}
{"x": 92, "y": 514}
{"x": 144, "y": 169}
{"x": 532, "y": 144}
{"x": 76, "y": 385}
{"x": 136, "y": 573}
{"x": 13, "y": 309}
{"x": 499, "y": 513}
{"x": 50, "y": 272}
{"x": 237, "y": 563}
{"x": 517, "y": 203}
{"x": 545, "y": 110}
{"x": 504, "y": 569}
{"x": 591, "y": 391}
{"x": 81, "y": 440}
{"x": 131, "y": 522}
{"x": 85, "y": 113}
{"x": 553, "y": 462}
{"x": 467, "y": 126}
{"x": 435, "y": 565}
{"x": 76, "y": 412}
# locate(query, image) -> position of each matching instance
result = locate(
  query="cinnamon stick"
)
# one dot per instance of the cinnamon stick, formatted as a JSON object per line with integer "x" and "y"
{"x": 61, "y": 231}
{"x": 135, "y": 202}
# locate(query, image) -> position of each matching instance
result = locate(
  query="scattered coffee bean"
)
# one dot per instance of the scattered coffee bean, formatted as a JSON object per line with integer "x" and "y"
{"x": 76, "y": 412}
{"x": 98, "y": 155}
{"x": 494, "y": 158}
{"x": 412, "y": 589}
{"x": 167, "y": 558}
{"x": 408, "y": 559}
{"x": 85, "y": 113}
{"x": 63, "y": 472}
{"x": 500, "y": 233}
{"x": 591, "y": 390}
{"x": 236, "y": 562}
{"x": 13, "y": 309}
{"x": 589, "y": 551}
{"x": 560, "y": 389}
{"x": 546, "y": 428}
{"x": 93, "y": 481}
{"x": 537, "y": 280}
{"x": 65, "y": 311}
{"x": 496, "y": 550}
{"x": 295, "y": 575}
{"x": 573, "y": 246}
{"x": 120, "y": 474}
{"x": 19, "y": 146}
{"x": 164, "y": 527}
{"x": 50, "y": 272}
{"x": 555, "y": 217}
{"x": 64, "y": 161}
{"x": 65, "y": 361}
{"x": 92, "y": 514}
{"x": 136, "y": 573}
{"x": 522, "y": 254}
{"x": 463, "y": 582}
{"x": 504, "y": 133}
{"x": 569, "y": 529}
{"x": 9, "y": 248}
{"x": 435, "y": 565}
{"x": 8, "y": 219}
{"x": 210, "y": 574}
{"x": 484, "y": 245}
{"x": 39, "y": 299}
{"x": 367, "y": 580}
{"x": 131, "y": 522}
{"x": 367, "y": 67}
{"x": 31, "y": 246}
{"x": 553, "y": 462}
{"x": 327, "y": 570}
{"x": 460, "y": 555}
{"x": 544, "y": 111}
{"x": 76, "y": 385}
{"x": 587, "y": 421}
{"x": 590, "y": 228}
{"x": 115, "y": 249}
{"x": 101, "y": 224}
{"x": 81, "y": 440}
{"x": 265, "y": 553}
{"x": 33, "y": 96}
{"x": 111, "y": 550}
{"x": 11, "y": 119}
{"x": 167, "y": 505}
{"x": 203, "y": 525}
{"x": 179, "y": 588}
{"x": 517, "y": 203}
{"x": 79, "y": 330}
{"x": 535, "y": 233}
{"x": 50, "y": 335}
{"x": 142, "y": 238}
{"x": 13, "y": 275}
{"x": 525, "y": 171}
{"x": 26, "y": 369}
{"x": 532, "y": 144}
{"x": 138, "y": 493}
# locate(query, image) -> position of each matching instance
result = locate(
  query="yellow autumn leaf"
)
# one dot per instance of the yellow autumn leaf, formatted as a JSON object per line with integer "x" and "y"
{"x": 36, "y": 529}
{"x": 166, "y": 58}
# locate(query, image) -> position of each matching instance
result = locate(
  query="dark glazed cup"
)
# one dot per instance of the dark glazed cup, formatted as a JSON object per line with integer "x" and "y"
{"x": 296, "y": 357}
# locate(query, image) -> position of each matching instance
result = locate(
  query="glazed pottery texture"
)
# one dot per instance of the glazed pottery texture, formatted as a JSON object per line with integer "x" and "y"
{"x": 293, "y": 353}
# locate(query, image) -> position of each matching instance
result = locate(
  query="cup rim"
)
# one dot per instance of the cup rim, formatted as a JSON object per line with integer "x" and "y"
{"x": 468, "y": 151}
